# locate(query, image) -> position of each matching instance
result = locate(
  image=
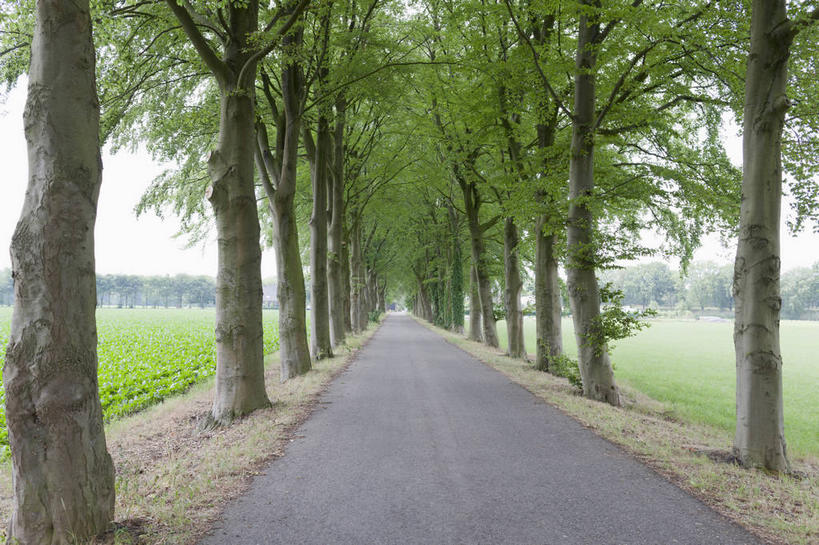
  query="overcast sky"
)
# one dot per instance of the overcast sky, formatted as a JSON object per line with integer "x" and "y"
{"x": 124, "y": 244}
{"x": 146, "y": 246}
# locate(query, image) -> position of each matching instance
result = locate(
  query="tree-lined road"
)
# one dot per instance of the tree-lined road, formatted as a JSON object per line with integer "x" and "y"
{"x": 420, "y": 443}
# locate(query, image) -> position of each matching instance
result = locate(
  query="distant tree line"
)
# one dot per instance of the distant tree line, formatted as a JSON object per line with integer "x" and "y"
{"x": 129, "y": 291}
{"x": 708, "y": 285}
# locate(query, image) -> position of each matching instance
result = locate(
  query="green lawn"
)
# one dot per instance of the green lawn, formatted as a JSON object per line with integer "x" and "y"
{"x": 146, "y": 355}
{"x": 689, "y": 365}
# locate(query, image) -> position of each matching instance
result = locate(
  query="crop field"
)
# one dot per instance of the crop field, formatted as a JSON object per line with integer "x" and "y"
{"x": 147, "y": 355}
{"x": 689, "y": 365}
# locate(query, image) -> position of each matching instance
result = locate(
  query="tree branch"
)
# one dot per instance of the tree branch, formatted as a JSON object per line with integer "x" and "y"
{"x": 212, "y": 61}
{"x": 262, "y": 53}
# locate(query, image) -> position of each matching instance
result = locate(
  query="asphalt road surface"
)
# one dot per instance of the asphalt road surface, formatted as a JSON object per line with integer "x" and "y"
{"x": 419, "y": 443}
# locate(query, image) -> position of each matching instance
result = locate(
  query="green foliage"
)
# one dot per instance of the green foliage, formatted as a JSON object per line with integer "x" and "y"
{"x": 614, "y": 323}
{"x": 564, "y": 366}
{"x": 146, "y": 356}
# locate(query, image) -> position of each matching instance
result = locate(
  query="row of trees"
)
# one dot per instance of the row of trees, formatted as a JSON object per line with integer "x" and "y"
{"x": 429, "y": 153}
{"x": 178, "y": 291}
{"x": 237, "y": 94}
{"x": 625, "y": 101}
{"x": 708, "y": 285}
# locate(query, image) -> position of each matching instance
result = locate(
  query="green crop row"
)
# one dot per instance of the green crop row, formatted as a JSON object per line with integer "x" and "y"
{"x": 147, "y": 355}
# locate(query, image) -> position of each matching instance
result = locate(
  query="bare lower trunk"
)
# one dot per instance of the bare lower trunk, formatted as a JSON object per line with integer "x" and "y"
{"x": 584, "y": 293}
{"x": 62, "y": 475}
{"x": 345, "y": 262}
{"x": 474, "y": 306}
{"x": 424, "y": 304}
{"x": 456, "y": 275}
{"x": 476, "y": 230}
{"x": 335, "y": 243}
{"x": 239, "y": 387}
{"x": 514, "y": 285}
{"x": 372, "y": 292}
{"x": 760, "y": 429}
{"x": 356, "y": 277}
{"x": 320, "y": 345}
{"x": 547, "y": 299}
{"x": 382, "y": 296}
{"x": 294, "y": 354}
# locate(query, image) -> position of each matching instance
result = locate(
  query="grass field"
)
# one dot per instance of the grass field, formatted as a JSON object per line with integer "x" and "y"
{"x": 147, "y": 355}
{"x": 689, "y": 365}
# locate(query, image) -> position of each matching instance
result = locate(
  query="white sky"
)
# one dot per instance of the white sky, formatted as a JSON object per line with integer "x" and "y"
{"x": 146, "y": 246}
{"x": 124, "y": 244}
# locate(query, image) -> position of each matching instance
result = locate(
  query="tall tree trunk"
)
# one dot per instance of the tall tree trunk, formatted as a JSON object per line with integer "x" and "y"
{"x": 320, "y": 345}
{"x": 239, "y": 387}
{"x": 584, "y": 293}
{"x": 382, "y": 296}
{"x": 294, "y": 353}
{"x": 62, "y": 474}
{"x": 335, "y": 243}
{"x": 514, "y": 285}
{"x": 472, "y": 204}
{"x": 760, "y": 429}
{"x": 346, "y": 269}
{"x": 547, "y": 298}
{"x": 456, "y": 275}
{"x": 356, "y": 279}
{"x": 474, "y": 306}
{"x": 239, "y": 349}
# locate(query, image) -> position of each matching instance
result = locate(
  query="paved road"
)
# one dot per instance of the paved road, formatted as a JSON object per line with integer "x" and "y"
{"x": 419, "y": 443}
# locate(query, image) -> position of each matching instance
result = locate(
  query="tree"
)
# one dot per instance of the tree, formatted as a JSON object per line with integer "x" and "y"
{"x": 239, "y": 349}
{"x": 709, "y": 285}
{"x": 319, "y": 151}
{"x": 278, "y": 168}
{"x": 62, "y": 473}
{"x": 760, "y": 428}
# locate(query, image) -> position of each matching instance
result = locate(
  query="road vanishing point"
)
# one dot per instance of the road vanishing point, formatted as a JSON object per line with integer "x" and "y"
{"x": 420, "y": 443}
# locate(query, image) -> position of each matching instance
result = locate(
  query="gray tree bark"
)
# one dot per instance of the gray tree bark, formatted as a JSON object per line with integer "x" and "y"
{"x": 294, "y": 353}
{"x": 760, "y": 429}
{"x": 514, "y": 286}
{"x": 335, "y": 246}
{"x": 547, "y": 299}
{"x": 584, "y": 293}
{"x": 62, "y": 474}
{"x": 239, "y": 385}
{"x": 472, "y": 205}
{"x": 356, "y": 275}
{"x": 474, "y": 306}
{"x": 278, "y": 174}
{"x": 382, "y": 296}
{"x": 346, "y": 268}
{"x": 320, "y": 343}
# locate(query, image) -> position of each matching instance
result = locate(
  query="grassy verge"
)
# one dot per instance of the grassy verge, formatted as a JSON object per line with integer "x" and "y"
{"x": 172, "y": 480}
{"x": 690, "y": 366}
{"x": 779, "y": 509}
